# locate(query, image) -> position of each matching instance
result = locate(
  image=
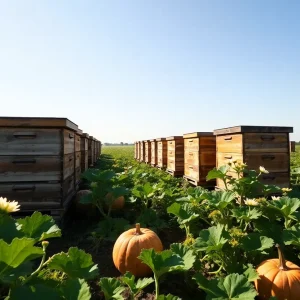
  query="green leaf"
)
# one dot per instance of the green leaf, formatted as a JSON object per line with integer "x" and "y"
{"x": 291, "y": 236}
{"x": 112, "y": 288}
{"x": 285, "y": 207}
{"x": 76, "y": 264}
{"x": 87, "y": 199}
{"x": 255, "y": 242}
{"x": 39, "y": 227}
{"x": 34, "y": 292}
{"x": 168, "y": 297}
{"x": 185, "y": 253}
{"x": 76, "y": 289}
{"x": 14, "y": 258}
{"x": 212, "y": 239}
{"x": 220, "y": 199}
{"x": 243, "y": 213}
{"x": 232, "y": 287}
{"x": 149, "y": 219}
{"x": 270, "y": 229}
{"x": 183, "y": 212}
{"x": 129, "y": 280}
{"x": 161, "y": 262}
{"x": 218, "y": 173}
{"x": 251, "y": 274}
{"x": 8, "y": 228}
{"x": 119, "y": 191}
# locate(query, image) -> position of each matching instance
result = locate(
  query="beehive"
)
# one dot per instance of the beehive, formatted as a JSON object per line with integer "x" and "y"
{"x": 257, "y": 146}
{"x": 91, "y": 151}
{"x": 37, "y": 162}
{"x": 147, "y": 145}
{"x": 84, "y": 152}
{"x": 153, "y": 152}
{"x": 142, "y": 151}
{"x": 292, "y": 146}
{"x": 175, "y": 156}
{"x": 162, "y": 153}
{"x": 77, "y": 157}
{"x": 199, "y": 157}
{"x": 136, "y": 150}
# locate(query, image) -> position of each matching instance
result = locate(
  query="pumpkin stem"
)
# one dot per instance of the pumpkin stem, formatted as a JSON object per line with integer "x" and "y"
{"x": 282, "y": 264}
{"x": 138, "y": 229}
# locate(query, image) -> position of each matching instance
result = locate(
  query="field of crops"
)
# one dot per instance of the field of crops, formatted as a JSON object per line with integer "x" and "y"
{"x": 203, "y": 244}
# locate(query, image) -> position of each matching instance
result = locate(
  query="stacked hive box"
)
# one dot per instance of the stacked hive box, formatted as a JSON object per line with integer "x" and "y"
{"x": 162, "y": 152}
{"x": 84, "y": 152}
{"x": 175, "y": 155}
{"x": 257, "y": 146}
{"x": 292, "y": 146}
{"x": 153, "y": 152}
{"x": 142, "y": 151}
{"x": 95, "y": 150}
{"x": 100, "y": 147}
{"x": 199, "y": 157}
{"x": 37, "y": 166}
{"x": 138, "y": 149}
{"x": 77, "y": 158}
{"x": 147, "y": 146}
{"x": 91, "y": 151}
{"x": 135, "y": 150}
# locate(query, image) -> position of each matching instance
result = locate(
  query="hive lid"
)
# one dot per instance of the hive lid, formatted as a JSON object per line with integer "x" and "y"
{"x": 197, "y": 134}
{"x": 161, "y": 139}
{"x": 79, "y": 131}
{"x": 153, "y": 140}
{"x": 253, "y": 129}
{"x": 37, "y": 122}
{"x": 177, "y": 137}
{"x": 86, "y": 135}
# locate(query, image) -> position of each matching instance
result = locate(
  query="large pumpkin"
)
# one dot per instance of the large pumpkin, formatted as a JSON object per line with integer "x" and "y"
{"x": 118, "y": 203}
{"x": 128, "y": 247}
{"x": 278, "y": 278}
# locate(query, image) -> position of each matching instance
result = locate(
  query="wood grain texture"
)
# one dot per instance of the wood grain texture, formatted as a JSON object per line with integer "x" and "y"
{"x": 292, "y": 146}
{"x": 23, "y": 141}
{"x": 77, "y": 159}
{"x": 162, "y": 154}
{"x": 84, "y": 145}
{"x": 68, "y": 165}
{"x": 142, "y": 151}
{"x": 84, "y": 160}
{"x": 253, "y": 129}
{"x": 37, "y": 122}
{"x": 91, "y": 151}
{"x": 29, "y": 168}
{"x": 153, "y": 153}
{"x": 268, "y": 149}
{"x": 175, "y": 155}
{"x": 77, "y": 142}
{"x": 77, "y": 175}
{"x": 69, "y": 141}
{"x": 147, "y": 152}
{"x": 68, "y": 186}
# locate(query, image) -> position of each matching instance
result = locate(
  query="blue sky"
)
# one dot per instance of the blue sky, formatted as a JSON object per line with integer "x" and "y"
{"x": 131, "y": 70}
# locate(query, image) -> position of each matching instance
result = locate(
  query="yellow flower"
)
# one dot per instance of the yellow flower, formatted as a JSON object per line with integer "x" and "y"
{"x": 8, "y": 206}
{"x": 233, "y": 242}
{"x": 275, "y": 198}
{"x": 214, "y": 214}
{"x": 251, "y": 202}
{"x": 263, "y": 170}
{"x": 285, "y": 190}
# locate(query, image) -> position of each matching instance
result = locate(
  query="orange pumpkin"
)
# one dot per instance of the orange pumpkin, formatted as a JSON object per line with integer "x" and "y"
{"x": 128, "y": 247}
{"x": 278, "y": 278}
{"x": 118, "y": 203}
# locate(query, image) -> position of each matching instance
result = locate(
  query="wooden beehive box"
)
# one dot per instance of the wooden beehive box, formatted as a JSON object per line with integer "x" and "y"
{"x": 77, "y": 157}
{"x": 256, "y": 146}
{"x": 135, "y": 150}
{"x": 37, "y": 162}
{"x": 153, "y": 152}
{"x": 147, "y": 146}
{"x": 142, "y": 151}
{"x": 175, "y": 155}
{"x": 100, "y": 147}
{"x": 95, "y": 150}
{"x": 162, "y": 152}
{"x": 91, "y": 151}
{"x": 199, "y": 157}
{"x": 84, "y": 146}
{"x": 292, "y": 146}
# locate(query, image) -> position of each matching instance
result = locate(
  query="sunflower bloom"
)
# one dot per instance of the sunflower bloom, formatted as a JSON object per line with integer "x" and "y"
{"x": 8, "y": 206}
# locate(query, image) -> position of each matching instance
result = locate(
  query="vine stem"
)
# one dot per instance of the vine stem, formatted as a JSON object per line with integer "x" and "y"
{"x": 216, "y": 272}
{"x": 156, "y": 286}
{"x": 282, "y": 263}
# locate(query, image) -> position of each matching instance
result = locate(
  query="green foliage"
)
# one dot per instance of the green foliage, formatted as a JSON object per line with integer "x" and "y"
{"x": 112, "y": 288}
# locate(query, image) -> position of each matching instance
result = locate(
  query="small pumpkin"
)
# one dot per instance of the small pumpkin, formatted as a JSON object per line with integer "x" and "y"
{"x": 118, "y": 203}
{"x": 128, "y": 247}
{"x": 279, "y": 278}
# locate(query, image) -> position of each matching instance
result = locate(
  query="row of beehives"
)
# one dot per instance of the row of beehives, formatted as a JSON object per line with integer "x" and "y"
{"x": 193, "y": 155}
{"x": 41, "y": 161}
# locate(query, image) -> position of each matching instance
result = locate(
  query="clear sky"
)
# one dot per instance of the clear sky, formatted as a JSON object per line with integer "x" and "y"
{"x": 130, "y": 70}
